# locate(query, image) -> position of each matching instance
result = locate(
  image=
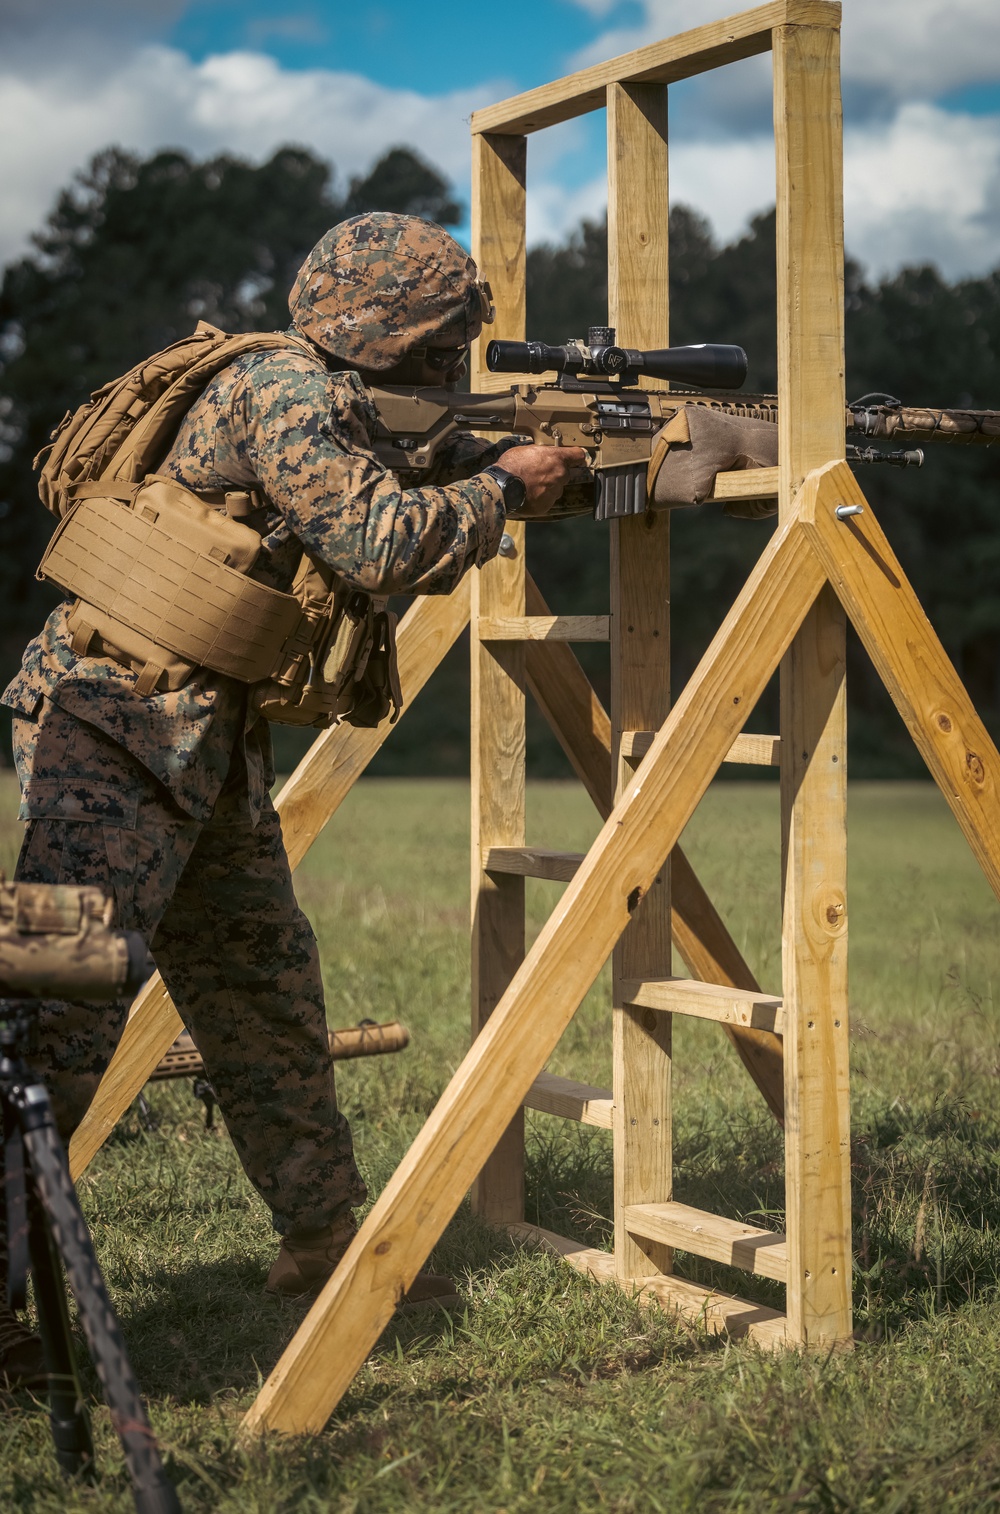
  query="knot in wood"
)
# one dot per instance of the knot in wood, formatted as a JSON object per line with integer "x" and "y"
{"x": 974, "y": 767}
{"x": 944, "y": 722}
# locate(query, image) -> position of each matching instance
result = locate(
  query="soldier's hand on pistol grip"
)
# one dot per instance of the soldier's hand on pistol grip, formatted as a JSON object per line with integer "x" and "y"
{"x": 545, "y": 472}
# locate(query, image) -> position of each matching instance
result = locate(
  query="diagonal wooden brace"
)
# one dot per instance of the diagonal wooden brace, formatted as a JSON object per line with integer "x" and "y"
{"x": 909, "y": 657}
{"x": 490, "y": 1085}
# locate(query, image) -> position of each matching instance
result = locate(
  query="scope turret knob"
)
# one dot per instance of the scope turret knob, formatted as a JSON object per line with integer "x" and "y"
{"x": 600, "y": 336}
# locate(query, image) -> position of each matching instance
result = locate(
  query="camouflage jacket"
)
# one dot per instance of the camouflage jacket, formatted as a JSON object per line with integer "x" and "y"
{"x": 283, "y": 423}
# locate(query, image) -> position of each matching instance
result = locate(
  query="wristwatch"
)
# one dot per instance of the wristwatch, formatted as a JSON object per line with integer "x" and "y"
{"x": 511, "y": 487}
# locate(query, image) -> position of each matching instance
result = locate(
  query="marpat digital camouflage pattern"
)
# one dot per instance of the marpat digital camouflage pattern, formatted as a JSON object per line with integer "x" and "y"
{"x": 238, "y": 957}
{"x": 378, "y": 285}
{"x": 164, "y": 799}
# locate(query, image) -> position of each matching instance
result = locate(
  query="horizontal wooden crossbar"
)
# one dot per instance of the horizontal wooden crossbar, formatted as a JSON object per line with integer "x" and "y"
{"x": 711, "y": 1236}
{"x": 748, "y": 483}
{"x": 544, "y": 627}
{"x": 532, "y": 862}
{"x": 706, "y": 1001}
{"x": 749, "y": 749}
{"x": 680, "y": 57}
{"x": 550, "y": 1094}
{"x": 719, "y": 1313}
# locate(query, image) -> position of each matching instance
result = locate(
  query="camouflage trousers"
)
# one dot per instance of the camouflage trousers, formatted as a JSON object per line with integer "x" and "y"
{"x": 214, "y": 901}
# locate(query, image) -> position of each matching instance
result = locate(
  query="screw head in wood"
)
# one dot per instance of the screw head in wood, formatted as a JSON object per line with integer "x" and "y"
{"x": 508, "y": 546}
{"x": 844, "y": 512}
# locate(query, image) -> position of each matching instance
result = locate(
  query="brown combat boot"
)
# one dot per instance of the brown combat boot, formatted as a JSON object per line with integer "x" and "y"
{"x": 307, "y": 1258}
{"x": 22, "y": 1362}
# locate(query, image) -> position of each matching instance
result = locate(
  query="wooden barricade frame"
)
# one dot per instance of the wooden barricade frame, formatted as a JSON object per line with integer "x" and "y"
{"x": 646, "y": 768}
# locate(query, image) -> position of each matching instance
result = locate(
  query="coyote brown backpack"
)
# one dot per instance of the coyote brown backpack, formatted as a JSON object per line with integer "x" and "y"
{"x": 319, "y": 654}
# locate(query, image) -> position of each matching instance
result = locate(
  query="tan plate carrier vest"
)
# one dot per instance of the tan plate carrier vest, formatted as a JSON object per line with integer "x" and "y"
{"x": 161, "y": 575}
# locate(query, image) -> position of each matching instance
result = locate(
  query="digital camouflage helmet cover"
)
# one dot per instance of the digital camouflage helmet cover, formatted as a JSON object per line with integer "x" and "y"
{"x": 379, "y": 285}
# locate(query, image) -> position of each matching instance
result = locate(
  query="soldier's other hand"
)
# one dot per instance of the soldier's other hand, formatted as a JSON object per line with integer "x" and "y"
{"x": 545, "y": 470}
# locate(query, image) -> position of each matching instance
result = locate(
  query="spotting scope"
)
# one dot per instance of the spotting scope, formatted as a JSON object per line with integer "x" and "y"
{"x": 712, "y": 365}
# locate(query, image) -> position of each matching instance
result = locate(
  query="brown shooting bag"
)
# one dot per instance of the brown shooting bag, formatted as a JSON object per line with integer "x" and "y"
{"x": 162, "y": 576}
{"x": 700, "y": 442}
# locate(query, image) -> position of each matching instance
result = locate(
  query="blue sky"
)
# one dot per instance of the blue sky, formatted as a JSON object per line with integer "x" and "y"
{"x": 526, "y": 41}
{"x": 921, "y": 102}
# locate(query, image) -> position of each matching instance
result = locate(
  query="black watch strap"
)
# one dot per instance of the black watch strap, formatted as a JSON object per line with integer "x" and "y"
{"x": 511, "y": 487}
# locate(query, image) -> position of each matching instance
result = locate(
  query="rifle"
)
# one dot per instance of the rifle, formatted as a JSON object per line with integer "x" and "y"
{"x": 595, "y": 403}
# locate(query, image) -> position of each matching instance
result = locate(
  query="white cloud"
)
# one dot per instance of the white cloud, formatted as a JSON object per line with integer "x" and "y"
{"x": 925, "y": 187}
{"x": 904, "y": 200}
{"x": 52, "y": 122}
{"x": 554, "y": 210}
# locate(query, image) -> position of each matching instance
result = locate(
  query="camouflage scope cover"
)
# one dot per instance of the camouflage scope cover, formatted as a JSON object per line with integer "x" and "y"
{"x": 378, "y": 285}
{"x": 57, "y": 941}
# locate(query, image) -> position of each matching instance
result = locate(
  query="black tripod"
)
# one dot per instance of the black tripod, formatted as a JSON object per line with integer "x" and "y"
{"x": 45, "y": 1226}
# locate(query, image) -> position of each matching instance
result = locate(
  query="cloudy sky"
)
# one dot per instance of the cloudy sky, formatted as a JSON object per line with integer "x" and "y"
{"x": 921, "y": 99}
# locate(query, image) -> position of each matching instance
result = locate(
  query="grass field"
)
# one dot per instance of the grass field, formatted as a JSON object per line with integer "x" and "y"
{"x": 548, "y": 1392}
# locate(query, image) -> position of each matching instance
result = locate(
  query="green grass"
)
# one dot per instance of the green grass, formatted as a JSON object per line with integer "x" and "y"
{"x": 549, "y": 1392}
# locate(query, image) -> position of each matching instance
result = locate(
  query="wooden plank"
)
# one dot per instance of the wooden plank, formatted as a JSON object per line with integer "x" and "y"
{"x": 499, "y": 165}
{"x": 911, "y": 662}
{"x": 748, "y": 483}
{"x": 755, "y": 751}
{"x": 718, "y": 1313}
{"x": 532, "y": 862}
{"x": 313, "y": 793}
{"x": 750, "y": 749}
{"x": 807, "y": 118}
{"x": 567, "y": 700}
{"x": 638, "y": 307}
{"x": 521, "y": 1034}
{"x": 709, "y": 1235}
{"x": 544, "y": 628}
{"x": 680, "y": 57}
{"x": 707, "y": 1001}
{"x": 570, "y": 1100}
{"x": 498, "y": 698}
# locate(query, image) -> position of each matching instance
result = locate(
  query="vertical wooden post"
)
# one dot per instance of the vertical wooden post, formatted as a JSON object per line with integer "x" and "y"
{"x": 638, "y": 306}
{"x": 807, "y": 114}
{"x": 498, "y": 702}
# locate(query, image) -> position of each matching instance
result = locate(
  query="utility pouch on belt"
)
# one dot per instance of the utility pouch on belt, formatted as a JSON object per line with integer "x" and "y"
{"x": 348, "y": 669}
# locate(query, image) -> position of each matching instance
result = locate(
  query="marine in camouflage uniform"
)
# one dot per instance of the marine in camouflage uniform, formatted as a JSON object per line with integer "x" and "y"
{"x": 164, "y": 801}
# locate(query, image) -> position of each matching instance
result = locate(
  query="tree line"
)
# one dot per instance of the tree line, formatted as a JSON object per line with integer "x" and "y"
{"x": 137, "y": 250}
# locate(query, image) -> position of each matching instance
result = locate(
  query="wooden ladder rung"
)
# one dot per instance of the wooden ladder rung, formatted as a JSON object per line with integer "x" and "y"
{"x": 709, "y": 1235}
{"x": 706, "y": 1001}
{"x": 719, "y": 1313}
{"x": 532, "y": 862}
{"x": 751, "y": 750}
{"x": 747, "y": 483}
{"x": 572, "y": 1101}
{"x": 544, "y": 628}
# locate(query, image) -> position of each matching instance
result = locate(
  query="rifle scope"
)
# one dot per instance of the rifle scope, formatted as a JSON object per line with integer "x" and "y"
{"x": 711, "y": 365}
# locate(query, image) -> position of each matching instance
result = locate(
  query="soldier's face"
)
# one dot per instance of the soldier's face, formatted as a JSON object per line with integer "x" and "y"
{"x": 429, "y": 367}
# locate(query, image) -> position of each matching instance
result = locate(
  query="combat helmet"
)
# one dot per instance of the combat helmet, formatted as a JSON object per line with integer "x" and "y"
{"x": 378, "y": 285}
